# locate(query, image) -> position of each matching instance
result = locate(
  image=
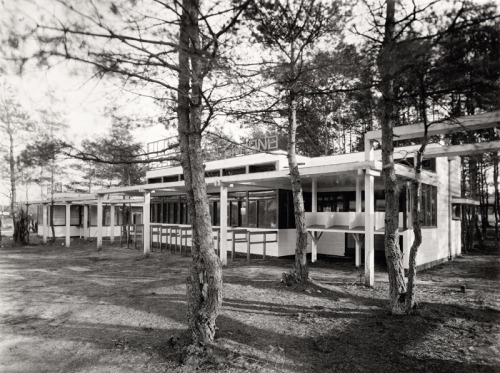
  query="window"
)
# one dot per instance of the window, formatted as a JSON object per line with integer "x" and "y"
{"x": 93, "y": 216}
{"x": 74, "y": 215}
{"x": 234, "y": 171}
{"x": 429, "y": 206}
{"x": 262, "y": 168}
{"x": 266, "y": 209}
{"x": 39, "y": 215}
{"x": 154, "y": 180}
{"x": 214, "y": 173}
{"x": 336, "y": 201}
{"x": 106, "y": 215}
{"x": 247, "y": 209}
{"x": 184, "y": 211}
{"x": 170, "y": 179}
{"x": 59, "y": 215}
{"x": 118, "y": 215}
{"x": 456, "y": 212}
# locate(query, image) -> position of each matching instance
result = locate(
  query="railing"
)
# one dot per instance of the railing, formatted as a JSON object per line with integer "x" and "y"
{"x": 244, "y": 235}
{"x": 176, "y": 237}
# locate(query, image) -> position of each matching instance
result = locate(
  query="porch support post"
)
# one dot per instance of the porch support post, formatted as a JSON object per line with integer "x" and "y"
{"x": 369, "y": 231}
{"x": 146, "y": 223}
{"x": 45, "y": 221}
{"x": 314, "y": 209}
{"x": 99, "y": 222}
{"x": 112, "y": 224}
{"x": 68, "y": 224}
{"x": 223, "y": 223}
{"x": 358, "y": 211}
{"x": 85, "y": 222}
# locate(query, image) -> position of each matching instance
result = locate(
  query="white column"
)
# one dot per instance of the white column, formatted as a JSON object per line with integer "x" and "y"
{"x": 358, "y": 211}
{"x": 314, "y": 208}
{"x": 146, "y": 213}
{"x": 85, "y": 222}
{"x": 369, "y": 151}
{"x": 45, "y": 222}
{"x": 99, "y": 222}
{"x": 369, "y": 230}
{"x": 68, "y": 224}
{"x": 314, "y": 203}
{"x": 112, "y": 224}
{"x": 223, "y": 224}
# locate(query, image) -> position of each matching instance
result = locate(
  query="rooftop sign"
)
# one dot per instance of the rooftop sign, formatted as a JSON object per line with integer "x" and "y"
{"x": 217, "y": 149}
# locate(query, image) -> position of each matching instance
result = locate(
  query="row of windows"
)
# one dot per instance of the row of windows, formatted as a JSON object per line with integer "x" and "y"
{"x": 216, "y": 173}
{"x": 76, "y": 215}
{"x": 245, "y": 209}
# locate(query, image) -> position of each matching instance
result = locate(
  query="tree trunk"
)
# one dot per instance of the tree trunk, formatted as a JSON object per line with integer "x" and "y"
{"x": 474, "y": 181}
{"x": 204, "y": 283}
{"x": 301, "y": 270}
{"x": 416, "y": 201}
{"x": 393, "y": 255}
{"x": 12, "y": 169}
{"x": 496, "y": 197}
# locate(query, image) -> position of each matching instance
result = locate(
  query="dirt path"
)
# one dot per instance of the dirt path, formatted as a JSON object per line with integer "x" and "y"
{"x": 77, "y": 310}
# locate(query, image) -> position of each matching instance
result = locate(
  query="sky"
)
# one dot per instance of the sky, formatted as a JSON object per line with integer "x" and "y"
{"x": 83, "y": 100}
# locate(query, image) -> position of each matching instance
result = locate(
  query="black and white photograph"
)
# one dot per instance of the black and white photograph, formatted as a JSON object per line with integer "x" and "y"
{"x": 275, "y": 186}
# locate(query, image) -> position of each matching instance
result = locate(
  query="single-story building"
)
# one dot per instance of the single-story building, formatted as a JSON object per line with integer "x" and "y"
{"x": 251, "y": 205}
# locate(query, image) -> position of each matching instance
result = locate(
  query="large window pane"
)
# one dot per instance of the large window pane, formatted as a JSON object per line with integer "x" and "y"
{"x": 74, "y": 215}
{"x": 106, "y": 215}
{"x": 93, "y": 216}
{"x": 252, "y": 214}
{"x": 59, "y": 215}
{"x": 271, "y": 215}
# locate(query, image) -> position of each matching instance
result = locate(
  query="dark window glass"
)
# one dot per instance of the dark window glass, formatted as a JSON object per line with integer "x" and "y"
{"x": 252, "y": 213}
{"x": 154, "y": 180}
{"x": 74, "y": 215}
{"x": 262, "y": 168}
{"x": 164, "y": 215}
{"x": 234, "y": 171}
{"x": 170, "y": 179}
{"x": 93, "y": 216}
{"x": 429, "y": 206}
{"x": 213, "y": 173}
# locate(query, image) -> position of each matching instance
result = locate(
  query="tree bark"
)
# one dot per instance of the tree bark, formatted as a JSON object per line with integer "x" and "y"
{"x": 12, "y": 167}
{"x": 416, "y": 201}
{"x": 301, "y": 270}
{"x": 393, "y": 255}
{"x": 474, "y": 184}
{"x": 496, "y": 197}
{"x": 204, "y": 283}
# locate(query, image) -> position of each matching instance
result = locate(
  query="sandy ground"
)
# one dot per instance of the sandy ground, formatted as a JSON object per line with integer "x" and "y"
{"x": 78, "y": 310}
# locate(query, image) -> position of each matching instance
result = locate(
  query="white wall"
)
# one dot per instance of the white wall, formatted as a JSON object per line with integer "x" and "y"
{"x": 434, "y": 240}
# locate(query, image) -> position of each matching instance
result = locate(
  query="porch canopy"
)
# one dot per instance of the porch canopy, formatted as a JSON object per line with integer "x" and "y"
{"x": 86, "y": 200}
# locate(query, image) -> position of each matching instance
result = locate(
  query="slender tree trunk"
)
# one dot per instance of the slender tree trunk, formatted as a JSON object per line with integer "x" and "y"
{"x": 416, "y": 210}
{"x": 474, "y": 184}
{"x": 496, "y": 199}
{"x": 52, "y": 201}
{"x": 204, "y": 283}
{"x": 301, "y": 270}
{"x": 393, "y": 254}
{"x": 13, "y": 200}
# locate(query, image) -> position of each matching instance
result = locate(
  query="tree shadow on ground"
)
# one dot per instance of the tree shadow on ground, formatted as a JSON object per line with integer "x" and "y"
{"x": 348, "y": 338}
